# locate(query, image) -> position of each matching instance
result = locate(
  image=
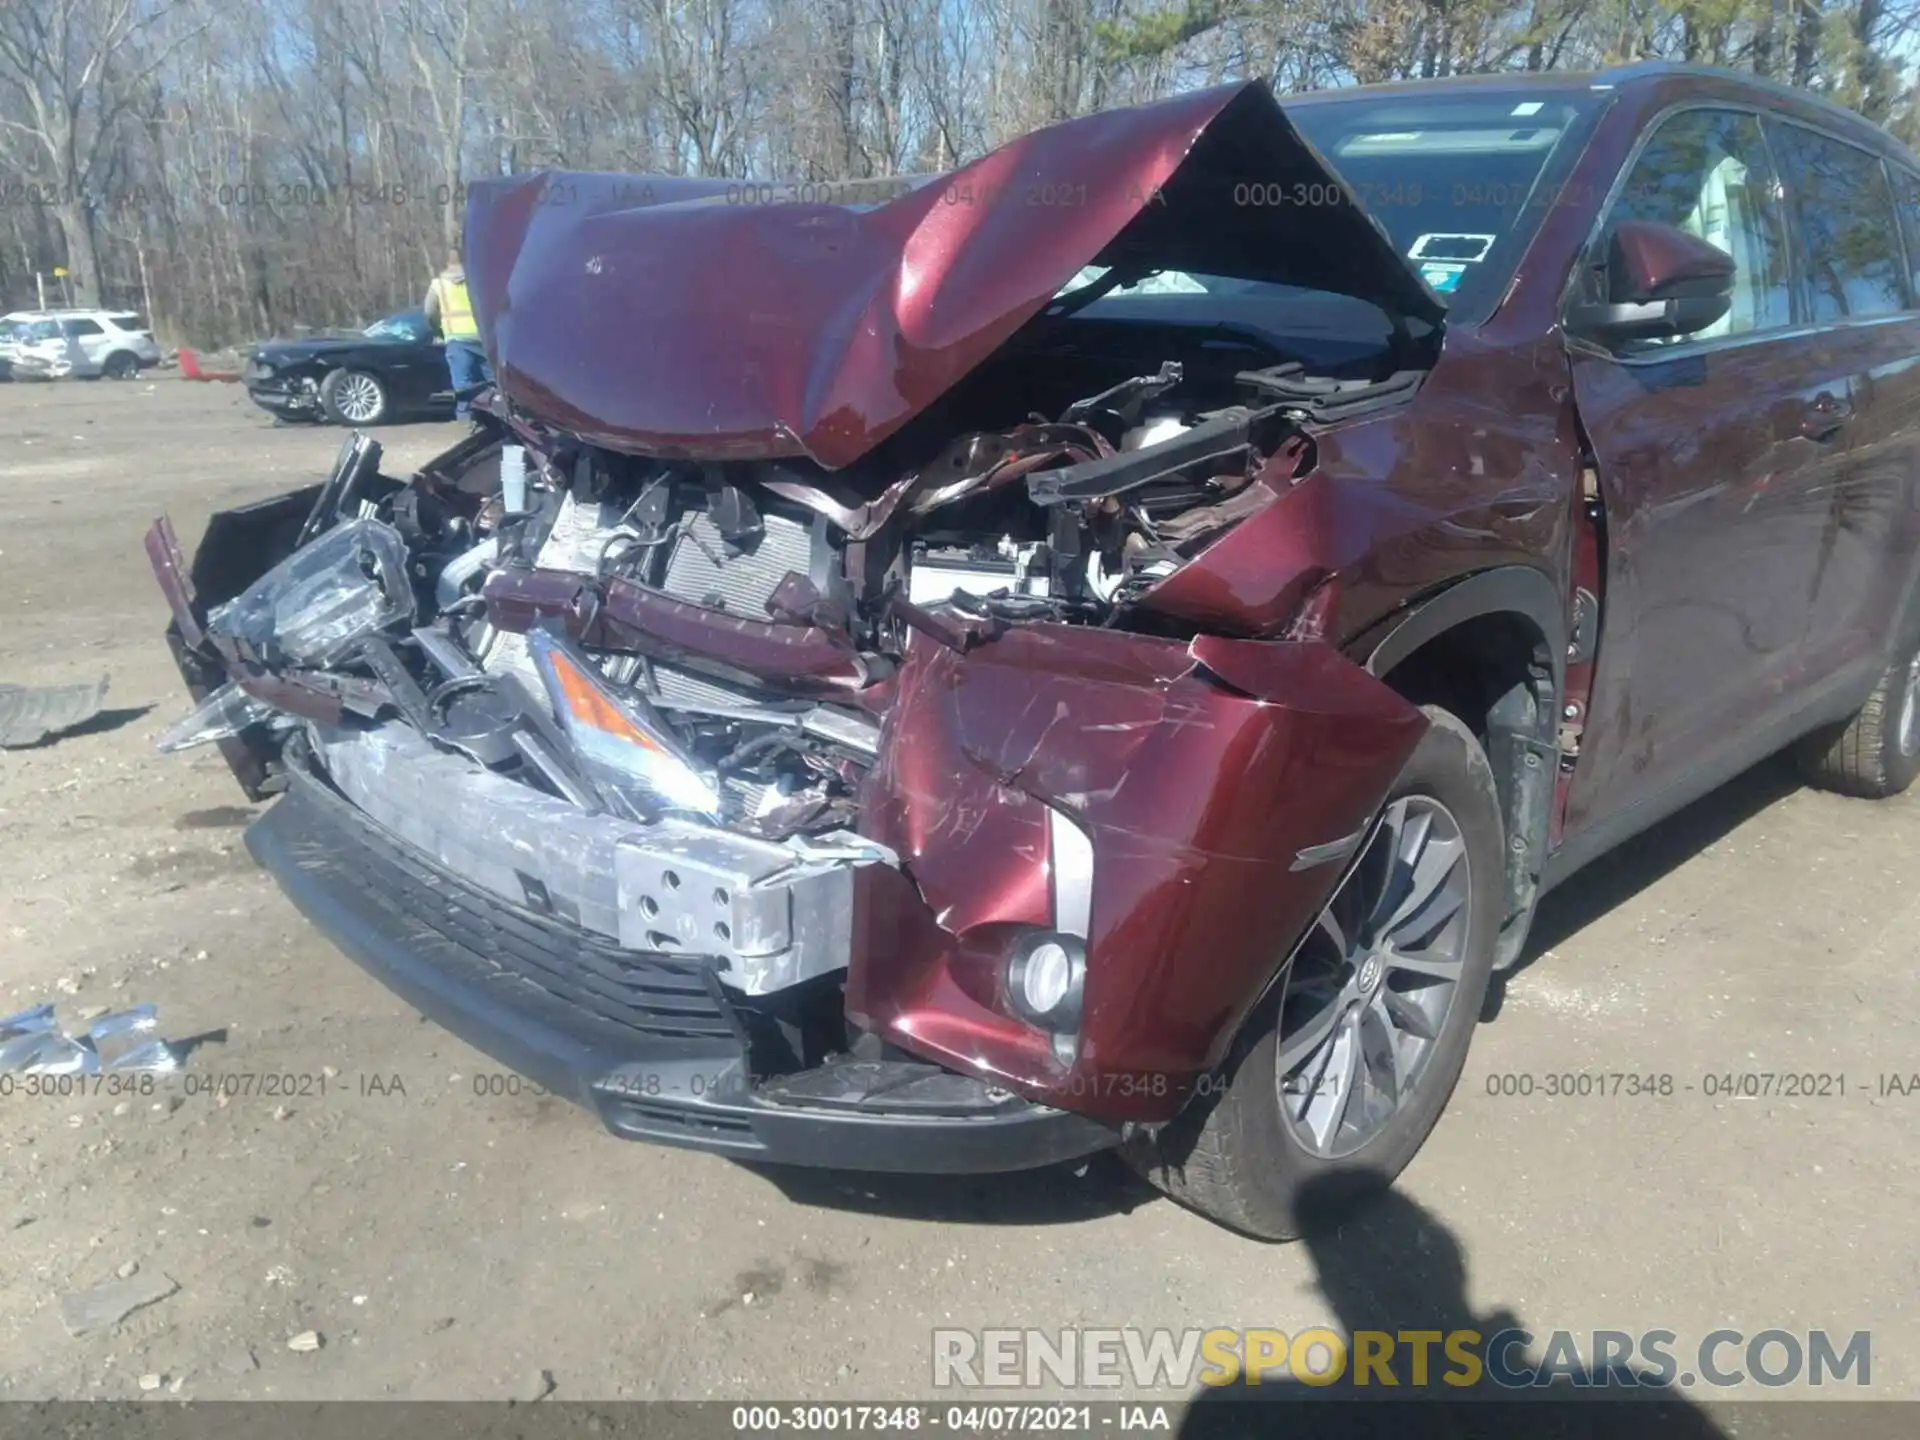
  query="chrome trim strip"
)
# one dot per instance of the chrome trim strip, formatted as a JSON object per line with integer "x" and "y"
{"x": 1070, "y": 868}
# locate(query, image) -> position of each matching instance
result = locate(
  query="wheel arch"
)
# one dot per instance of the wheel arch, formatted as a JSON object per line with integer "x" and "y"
{"x": 1492, "y": 648}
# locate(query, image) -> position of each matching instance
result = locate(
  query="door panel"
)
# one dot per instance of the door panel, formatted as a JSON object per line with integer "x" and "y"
{"x": 409, "y": 370}
{"x": 1857, "y": 284}
{"x": 1713, "y": 492}
{"x": 1867, "y": 536}
{"x": 1716, "y": 457}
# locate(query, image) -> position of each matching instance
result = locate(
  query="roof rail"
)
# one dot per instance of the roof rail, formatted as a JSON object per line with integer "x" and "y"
{"x": 1663, "y": 69}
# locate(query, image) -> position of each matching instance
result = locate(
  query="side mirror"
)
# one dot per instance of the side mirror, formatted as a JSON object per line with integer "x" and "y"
{"x": 1661, "y": 283}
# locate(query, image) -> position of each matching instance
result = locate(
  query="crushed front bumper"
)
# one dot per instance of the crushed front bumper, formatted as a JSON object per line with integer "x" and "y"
{"x": 649, "y": 1043}
{"x": 278, "y": 398}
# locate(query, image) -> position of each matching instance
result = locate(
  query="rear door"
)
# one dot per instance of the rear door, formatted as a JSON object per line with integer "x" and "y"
{"x": 135, "y": 335}
{"x": 1713, "y": 453}
{"x": 1859, "y": 291}
{"x": 86, "y": 341}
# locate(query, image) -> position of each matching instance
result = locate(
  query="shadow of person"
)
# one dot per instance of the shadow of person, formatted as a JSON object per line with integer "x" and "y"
{"x": 1390, "y": 1267}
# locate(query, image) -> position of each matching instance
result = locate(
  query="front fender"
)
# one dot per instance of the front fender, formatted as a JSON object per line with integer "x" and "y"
{"x": 1217, "y": 782}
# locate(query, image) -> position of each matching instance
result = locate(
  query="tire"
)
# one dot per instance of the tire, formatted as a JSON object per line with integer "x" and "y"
{"x": 1235, "y": 1155}
{"x": 121, "y": 365}
{"x": 1876, "y": 754}
{"x": 353, "y": 398}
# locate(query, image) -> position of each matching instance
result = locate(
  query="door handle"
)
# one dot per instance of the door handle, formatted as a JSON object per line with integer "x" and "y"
{"x": 1824, "y": 417}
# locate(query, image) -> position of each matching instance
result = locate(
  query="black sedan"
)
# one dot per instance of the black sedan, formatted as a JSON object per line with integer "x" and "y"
{"x": 394, "y": 369}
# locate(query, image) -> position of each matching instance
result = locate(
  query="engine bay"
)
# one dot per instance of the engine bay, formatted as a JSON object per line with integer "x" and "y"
{"x": 740, "y": 622}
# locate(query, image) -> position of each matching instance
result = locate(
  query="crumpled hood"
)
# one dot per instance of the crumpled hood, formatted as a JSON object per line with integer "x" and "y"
{"x": 728, "y": 320}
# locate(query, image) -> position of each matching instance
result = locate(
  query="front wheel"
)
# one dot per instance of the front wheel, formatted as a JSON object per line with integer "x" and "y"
{"x": 1341, "y": 1073}
{"x": 353, "y": 397}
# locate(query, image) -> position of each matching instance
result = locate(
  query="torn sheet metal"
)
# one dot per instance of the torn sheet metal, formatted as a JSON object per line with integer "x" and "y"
{"x": 30, "y": 714}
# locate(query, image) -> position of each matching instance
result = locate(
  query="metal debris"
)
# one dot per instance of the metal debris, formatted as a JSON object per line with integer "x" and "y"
{"x": 40, "y": 1017}
{"x": 83, "y": 1311}
{"x": 48, "y": 1052}
{"x": 305, "y": 1341}
{"x": 112, "y": 1036}
{"x": 30, "y": 714}
{"x": 31, "y": 1043}
{"x": 156, "y": 1057}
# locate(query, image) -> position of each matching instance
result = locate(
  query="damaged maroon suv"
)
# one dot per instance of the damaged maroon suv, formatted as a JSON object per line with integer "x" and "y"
{"x": 1107, "y": 647}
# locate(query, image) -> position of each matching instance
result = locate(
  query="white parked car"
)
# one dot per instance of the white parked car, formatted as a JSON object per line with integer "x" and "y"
{"x": 87, "y": 343}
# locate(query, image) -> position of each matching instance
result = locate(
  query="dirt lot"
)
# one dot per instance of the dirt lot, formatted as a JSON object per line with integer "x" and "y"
{"x": 449, "y": 1244}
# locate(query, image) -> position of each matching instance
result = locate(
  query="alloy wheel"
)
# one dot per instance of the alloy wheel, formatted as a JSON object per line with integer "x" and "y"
{"x": 358, "y": 398}
{"x": 1372, "y": 984}
{"x": 1909, "y": 731}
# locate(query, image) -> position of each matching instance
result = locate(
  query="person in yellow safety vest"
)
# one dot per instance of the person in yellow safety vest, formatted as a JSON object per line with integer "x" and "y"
{"x": 450, "y": 312}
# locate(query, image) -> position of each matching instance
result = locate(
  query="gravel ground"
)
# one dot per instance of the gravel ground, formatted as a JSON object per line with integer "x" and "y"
{"x": 446, "y": 1243}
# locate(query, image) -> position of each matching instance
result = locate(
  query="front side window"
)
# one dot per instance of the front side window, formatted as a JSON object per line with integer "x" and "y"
{"x": 406, "y": 326}
{"x": 1853, "y": 266}
{"x": 1706, "y": 172}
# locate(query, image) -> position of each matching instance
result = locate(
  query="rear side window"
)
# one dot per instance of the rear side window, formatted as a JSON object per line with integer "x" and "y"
{"x": 78, "y": 328}
{"x": 128, "y": 320}
{"x": 1707, "y": 172}
{"x": 1853, "y": 265}
{"x": 1906, "y": 199}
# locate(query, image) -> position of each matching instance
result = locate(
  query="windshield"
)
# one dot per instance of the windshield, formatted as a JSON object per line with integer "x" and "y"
{"x": 1450, "y": 177}
{"x": 397, "y": 327}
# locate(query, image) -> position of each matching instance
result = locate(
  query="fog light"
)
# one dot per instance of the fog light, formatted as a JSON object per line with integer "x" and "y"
{"x": 1044, "y": 978}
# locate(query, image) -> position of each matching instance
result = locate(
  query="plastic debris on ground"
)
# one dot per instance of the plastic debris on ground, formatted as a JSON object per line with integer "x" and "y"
{"x": 31, "y": 714}
{"x": 126, "y": 1041}
{"x": 83, "y": 1311}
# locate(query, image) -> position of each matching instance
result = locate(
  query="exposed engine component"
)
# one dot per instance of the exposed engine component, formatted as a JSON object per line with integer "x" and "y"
{"x": 1162, "y": 425}
{"x": 652, "y": 638}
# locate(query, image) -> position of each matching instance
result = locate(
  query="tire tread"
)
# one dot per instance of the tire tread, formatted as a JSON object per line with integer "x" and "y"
{"x": 1862, "y": 757}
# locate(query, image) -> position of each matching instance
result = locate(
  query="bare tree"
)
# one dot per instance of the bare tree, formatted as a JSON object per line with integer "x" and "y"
{"x": 73, "y": 69}
{"x": 234, "y": 169}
